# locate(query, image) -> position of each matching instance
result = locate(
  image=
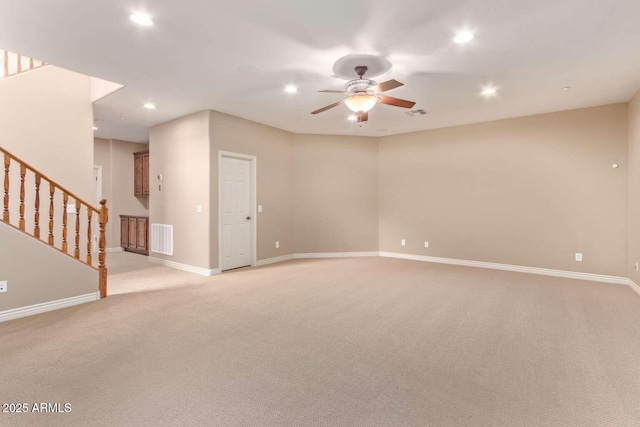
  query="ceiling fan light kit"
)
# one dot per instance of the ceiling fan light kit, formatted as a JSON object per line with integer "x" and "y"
{"x": 361, "y": 103}
{"x": 363, "y": 95}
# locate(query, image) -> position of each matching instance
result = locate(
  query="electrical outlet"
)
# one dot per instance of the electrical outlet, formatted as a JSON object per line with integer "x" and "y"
{"x": 578, "y": 256}
{"x": 198, "y": 208}
{"x": 426, "y": 244}
{"x": 259, "y": 208}
{"x": 403, "y": 242}
{"x": 277, "y": 244}
{"x": 3, "y": 286}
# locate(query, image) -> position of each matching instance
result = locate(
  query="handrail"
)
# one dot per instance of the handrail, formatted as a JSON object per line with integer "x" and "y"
{"x": 46, "y": 178}
{"x": 102, "y": 216}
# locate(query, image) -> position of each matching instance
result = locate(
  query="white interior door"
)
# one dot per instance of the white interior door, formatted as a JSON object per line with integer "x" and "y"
{"x": 236, "y": 211}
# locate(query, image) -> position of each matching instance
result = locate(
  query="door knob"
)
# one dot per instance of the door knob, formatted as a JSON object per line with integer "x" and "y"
{"x": 248, "y": 218}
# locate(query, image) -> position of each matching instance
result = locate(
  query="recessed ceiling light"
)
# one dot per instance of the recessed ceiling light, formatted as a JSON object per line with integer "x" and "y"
{"x": 489, "y": 91}
{"x": 149, "y": 106}
{"x": 290, "y": 89}
{"x": 352, "y": 117}
{"x": 95, "y": 128}
{"x": 566, "y": 88}
{"x": 142, "y": 19}
{"x": 463, "y": 37}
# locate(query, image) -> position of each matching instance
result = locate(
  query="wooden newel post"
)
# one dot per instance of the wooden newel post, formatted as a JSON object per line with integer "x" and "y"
{"x": 102, "y": 249}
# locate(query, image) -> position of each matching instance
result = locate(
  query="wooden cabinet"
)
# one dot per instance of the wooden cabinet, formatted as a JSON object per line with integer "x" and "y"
{"x": 141, "y": 174}
{"x": 134, "y": 234}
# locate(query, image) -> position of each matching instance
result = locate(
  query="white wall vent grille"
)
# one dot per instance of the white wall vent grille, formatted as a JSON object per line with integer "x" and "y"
{"x": 416, "y": 113}
{"x": 162, "y": 239}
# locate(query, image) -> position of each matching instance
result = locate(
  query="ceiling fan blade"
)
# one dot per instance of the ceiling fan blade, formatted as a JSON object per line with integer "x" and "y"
{"x": 385, "y": 86}
{"x": 333, "y": 91}
{"x": 363, "y": 117}
{"x": 335, "y": 104}
{"x": 396, "y": 102}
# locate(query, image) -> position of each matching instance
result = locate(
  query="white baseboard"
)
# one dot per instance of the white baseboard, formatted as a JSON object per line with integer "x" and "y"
{"x": 30, "y": 310}
{"x": 118, "y": 249}
{"x": 336, "y": 254}
{"x": 634, "y": 286}
{"x": 509, "y": 267}
{"x": 272, "y": 260}
{"x": 480, "y": 264}
{"x": 185, "y": 267}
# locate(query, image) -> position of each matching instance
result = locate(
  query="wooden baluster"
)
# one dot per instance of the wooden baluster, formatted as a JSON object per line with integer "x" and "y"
{"x": 89, "y": 214}
{"x": 19, "y": 63}
{"x": 36, "y": 216}
{"x": 102, "y": 249}
{"x": 6, "y": 64}
{"x": 23, "y": 172}
{"x": 5, "y": 212}
{"x": 65, "y": 202}
{"x": 76, "y": 252}
{"x": 31, "y": 63}
{"x": 52, "y": 189}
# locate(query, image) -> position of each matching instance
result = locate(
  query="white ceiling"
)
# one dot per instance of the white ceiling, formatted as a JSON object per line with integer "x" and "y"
{"x": 236, "y": 57}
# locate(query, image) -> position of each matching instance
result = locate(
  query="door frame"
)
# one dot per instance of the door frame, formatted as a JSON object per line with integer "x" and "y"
{"x": 253, "y": 191}
{"x": 98, "y": 186}
{"x": 97, "y": 170}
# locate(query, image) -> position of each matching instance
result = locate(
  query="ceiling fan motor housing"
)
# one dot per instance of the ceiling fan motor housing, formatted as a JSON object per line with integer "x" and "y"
{"x": 359, "y": 85}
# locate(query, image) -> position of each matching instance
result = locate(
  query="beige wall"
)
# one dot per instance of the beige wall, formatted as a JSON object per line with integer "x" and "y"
{"x": 347, "y": 166}
{"x": 179, "y": 150}
{"x": 116, "y": 159}
{"x": 335, "y": 193}
{"x": 46, "y": 119}
{"x": 530, "y": 191}
{"x": 57, "y": 276}
{"x": 273, "y": 149}
{"x": 634, "y": 188}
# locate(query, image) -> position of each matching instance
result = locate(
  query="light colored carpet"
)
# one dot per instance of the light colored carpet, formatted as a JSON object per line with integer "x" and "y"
{"x": 336, "y": 342}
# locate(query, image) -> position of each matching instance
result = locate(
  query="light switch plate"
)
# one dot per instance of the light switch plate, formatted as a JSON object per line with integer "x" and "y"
{"x": 277, "y": 244}
{"x": 3, "y": 286}
{"x": 259, "y": 208}
{"x": 426, "y": 244}
{"x": 578, "y": 256}
{"x": 198, "y": 208}
{"x": 403, "y": 242}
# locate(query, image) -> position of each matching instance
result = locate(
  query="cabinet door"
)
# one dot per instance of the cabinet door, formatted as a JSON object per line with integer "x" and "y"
{"x": 132, "y": 233}
{"x": 142, "y": 234}
{"x": 124, "y": 232}
{"x": 138, "y": 175}
{"x": 145, "y": 174}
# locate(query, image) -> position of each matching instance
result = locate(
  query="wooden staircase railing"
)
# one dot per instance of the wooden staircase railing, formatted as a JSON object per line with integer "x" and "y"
{"x": 14, "y": 63}
{"x": 63, "y": 199}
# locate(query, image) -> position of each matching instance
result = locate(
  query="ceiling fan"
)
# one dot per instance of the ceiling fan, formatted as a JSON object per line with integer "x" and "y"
{"x": 364, "y": 94}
